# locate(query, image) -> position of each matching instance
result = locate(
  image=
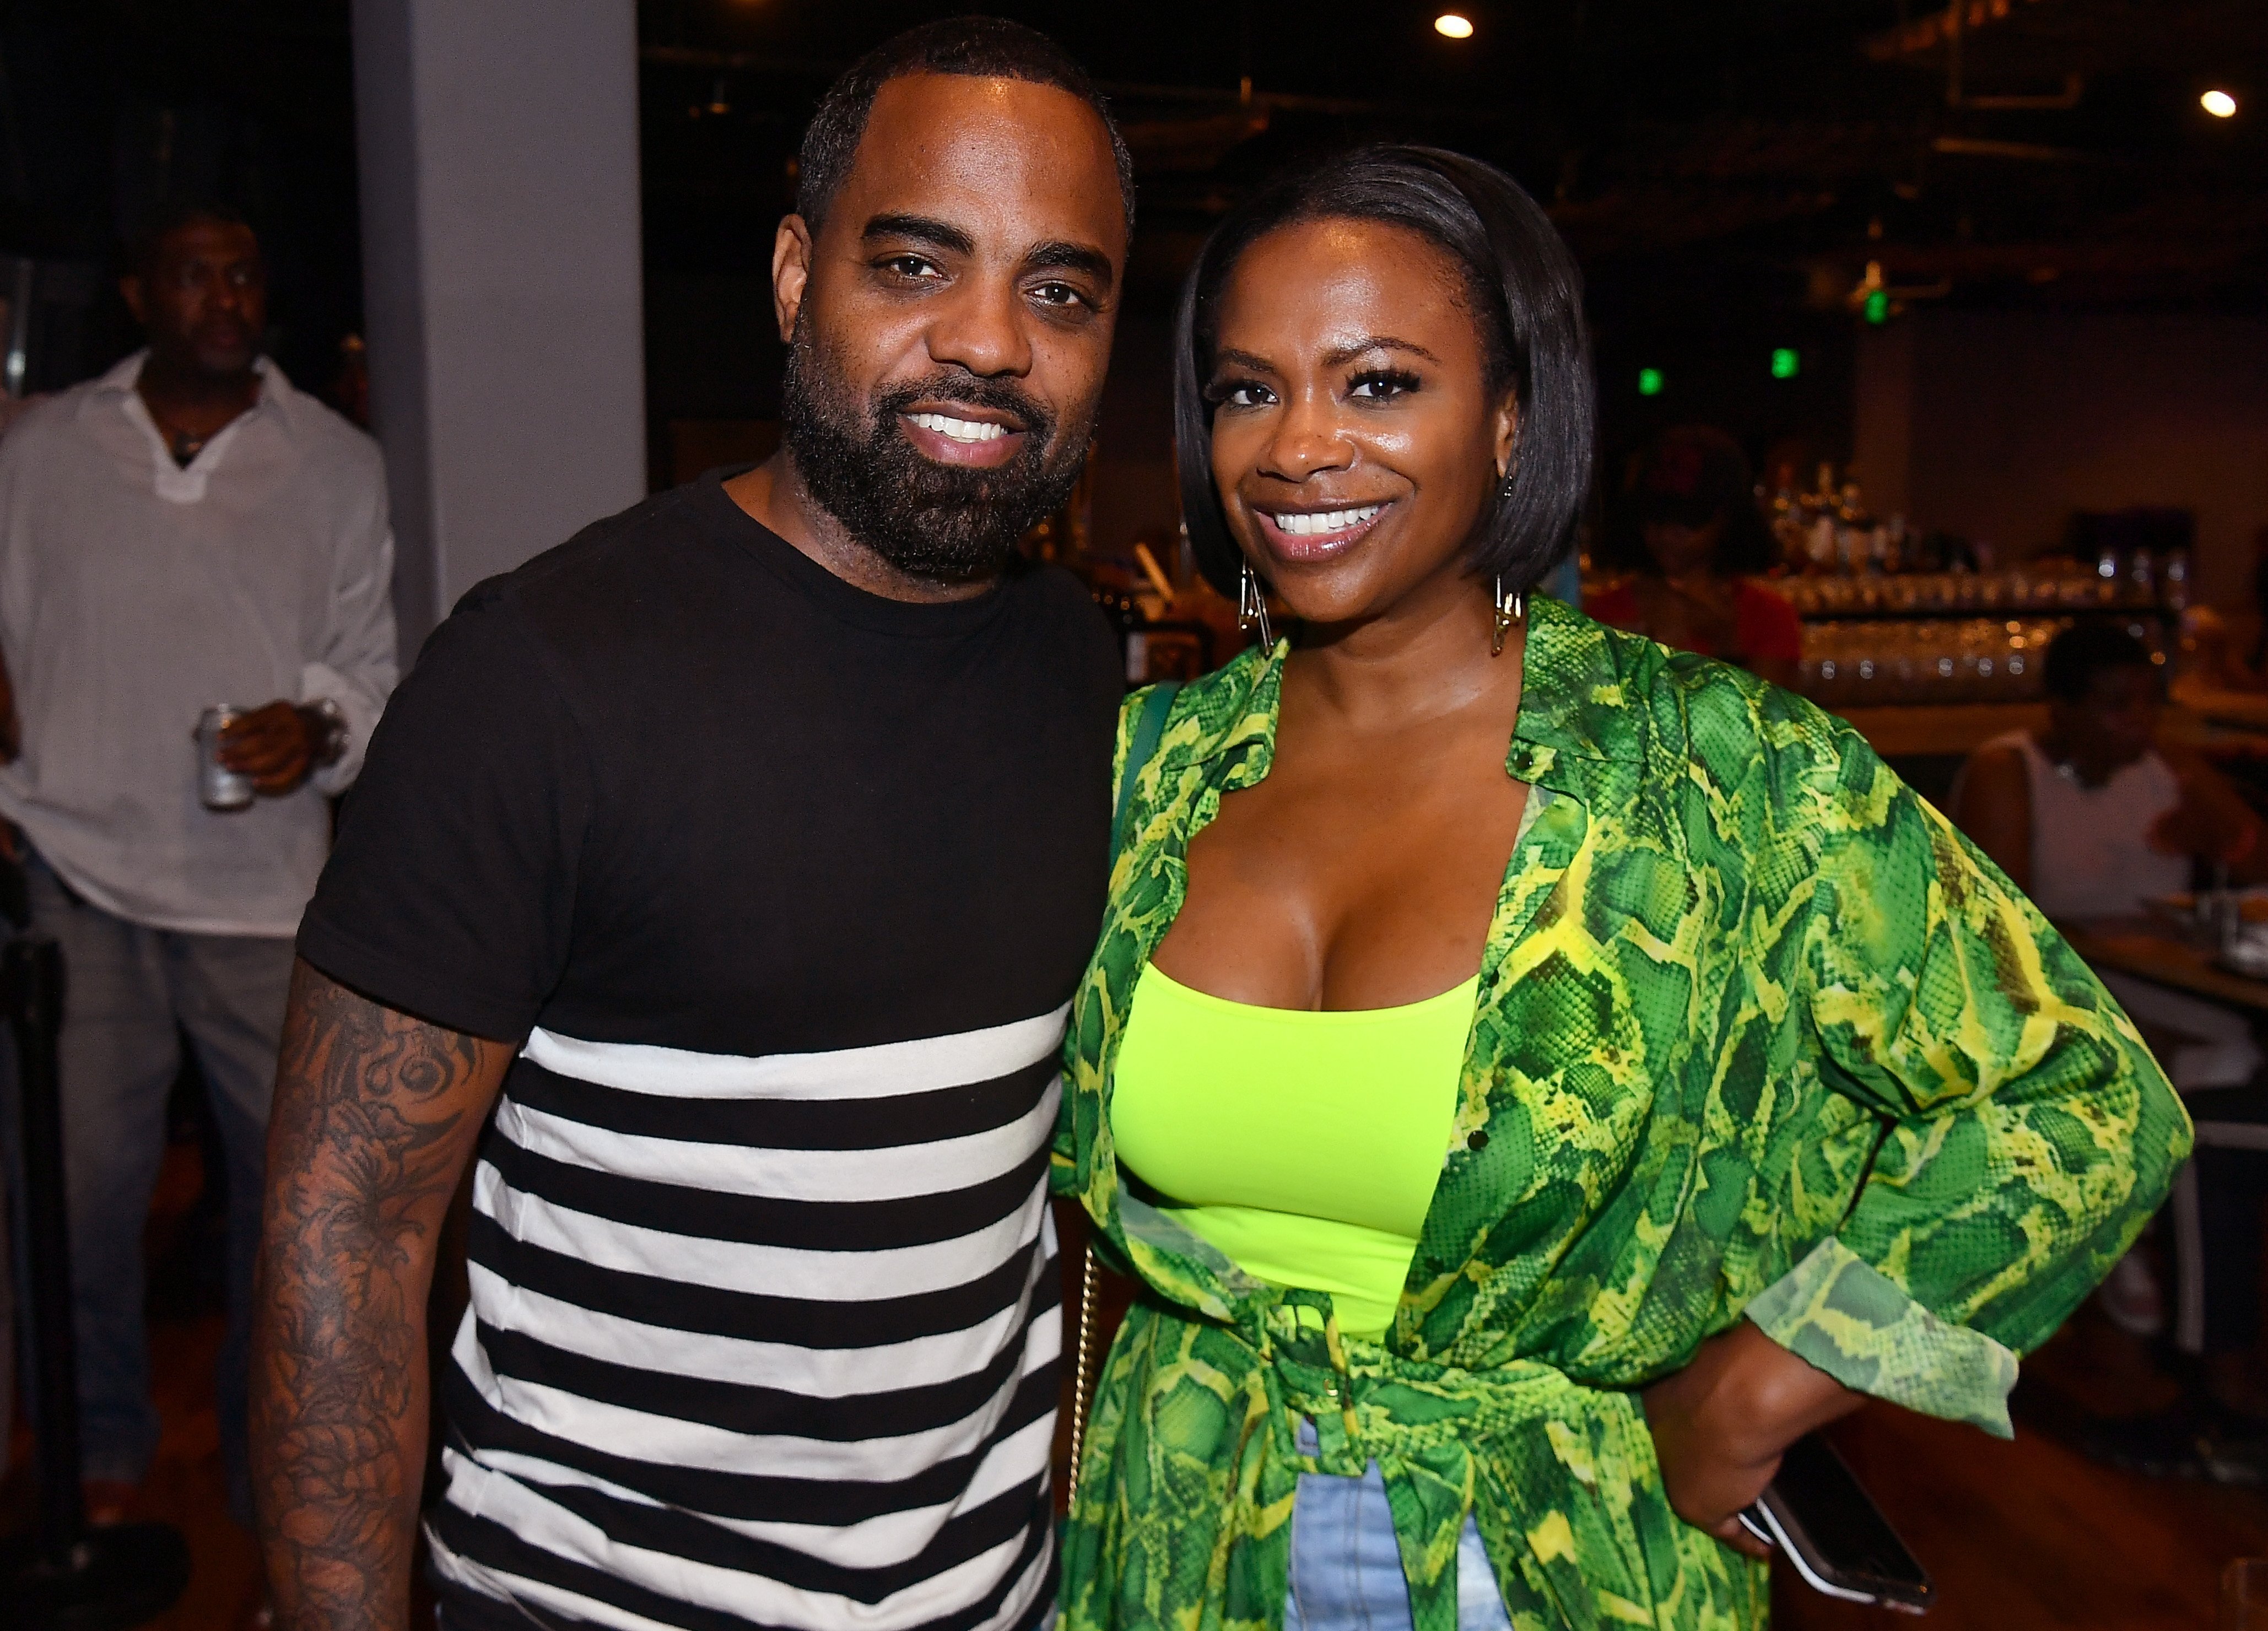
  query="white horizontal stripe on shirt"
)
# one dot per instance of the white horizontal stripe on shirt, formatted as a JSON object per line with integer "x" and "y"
{"x": 551, "y": 1527}
{"x": 884, "y": 1071}
{"x": 883, "y": 1541}
{"x": 673, "y": 1442}
{"x": 897, "y": 1172}
{"x": 757, "y": 1270}
{"x": 812, "y": 1372}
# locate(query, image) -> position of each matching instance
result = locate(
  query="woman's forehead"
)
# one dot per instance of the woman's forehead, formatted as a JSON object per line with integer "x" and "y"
{"x": 1323, "y": 285}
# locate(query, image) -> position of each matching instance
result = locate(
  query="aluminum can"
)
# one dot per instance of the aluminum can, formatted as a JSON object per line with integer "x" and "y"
{"x": 219, "y": 787}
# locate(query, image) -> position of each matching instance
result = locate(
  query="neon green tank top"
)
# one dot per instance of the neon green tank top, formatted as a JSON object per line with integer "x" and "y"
{"x": 1304, "y": 1145}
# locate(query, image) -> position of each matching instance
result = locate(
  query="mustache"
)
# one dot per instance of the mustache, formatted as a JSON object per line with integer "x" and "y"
{"x": 971, "y": 390}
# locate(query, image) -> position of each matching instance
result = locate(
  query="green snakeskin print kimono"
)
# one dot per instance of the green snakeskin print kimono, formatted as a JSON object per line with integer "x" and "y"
{"x": 1758, "y": 1032}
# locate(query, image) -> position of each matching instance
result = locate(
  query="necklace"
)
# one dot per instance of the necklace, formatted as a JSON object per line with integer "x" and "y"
{"x": 181, "y": 443}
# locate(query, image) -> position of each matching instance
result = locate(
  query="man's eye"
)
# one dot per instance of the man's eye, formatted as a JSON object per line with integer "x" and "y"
{"x": 910, "y": 266}
{"x": 1060, "y": 294}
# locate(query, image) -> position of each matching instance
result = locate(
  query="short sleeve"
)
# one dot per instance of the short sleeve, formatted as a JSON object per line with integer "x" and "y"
{"x": 450, "y": 893}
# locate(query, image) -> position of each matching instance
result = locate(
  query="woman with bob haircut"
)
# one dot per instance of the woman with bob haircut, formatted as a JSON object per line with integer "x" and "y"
{"x": 1535, "y": 1076}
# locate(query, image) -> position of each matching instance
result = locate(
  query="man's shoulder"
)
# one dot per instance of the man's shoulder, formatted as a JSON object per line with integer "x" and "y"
{"x": 37, "y": 430}
{"x": 1061, "y": 604}
{"x": 328, "y": 433}
{"x": 588, "y": 575}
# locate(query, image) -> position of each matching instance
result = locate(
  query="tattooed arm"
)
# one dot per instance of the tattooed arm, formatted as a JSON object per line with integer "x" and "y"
{"x": 375, "y": 1116}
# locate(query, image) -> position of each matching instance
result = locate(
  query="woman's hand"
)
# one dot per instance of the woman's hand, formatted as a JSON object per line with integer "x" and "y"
{"x": 1720, "y": 1424}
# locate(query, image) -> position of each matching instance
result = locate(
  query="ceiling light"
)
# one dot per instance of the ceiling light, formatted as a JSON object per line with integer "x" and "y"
{"x": 2219, "y": 103}
{"x": 1450, "y": 25}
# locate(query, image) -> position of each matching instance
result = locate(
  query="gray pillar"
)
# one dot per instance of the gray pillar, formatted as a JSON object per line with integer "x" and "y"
{"x": 498, "y": 155}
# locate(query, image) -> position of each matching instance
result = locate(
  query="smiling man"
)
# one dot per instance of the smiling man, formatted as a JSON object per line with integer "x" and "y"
{"x": 742, "y": 855}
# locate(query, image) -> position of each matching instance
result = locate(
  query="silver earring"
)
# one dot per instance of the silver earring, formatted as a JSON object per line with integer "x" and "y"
{"x": 1252, "y": 607}
{"x": 1510, "y": 608}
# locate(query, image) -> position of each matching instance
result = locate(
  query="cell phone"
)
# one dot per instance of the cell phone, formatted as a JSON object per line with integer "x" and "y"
{"x": 1817, "y": 1514}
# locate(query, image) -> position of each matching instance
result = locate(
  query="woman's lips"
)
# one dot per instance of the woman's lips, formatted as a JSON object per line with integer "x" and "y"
{"x": 1317, "y": 534}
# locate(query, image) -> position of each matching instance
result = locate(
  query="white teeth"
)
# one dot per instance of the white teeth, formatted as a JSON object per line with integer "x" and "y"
{"x": 959, "y": 429}
{"x": 1312, "y": 523}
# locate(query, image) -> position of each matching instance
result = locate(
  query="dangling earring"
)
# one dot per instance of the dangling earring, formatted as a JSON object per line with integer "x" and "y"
{"x": 1252, "y": 607}
{"x": 1510, "y": 608}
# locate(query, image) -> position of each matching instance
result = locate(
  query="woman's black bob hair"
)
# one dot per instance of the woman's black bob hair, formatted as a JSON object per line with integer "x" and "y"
{"x": 1526, "y": 300}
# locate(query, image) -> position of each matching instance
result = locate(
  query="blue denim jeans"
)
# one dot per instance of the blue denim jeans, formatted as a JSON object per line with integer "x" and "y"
{"x": 1346, "y": 1567}
{"x": 128, "y": 994}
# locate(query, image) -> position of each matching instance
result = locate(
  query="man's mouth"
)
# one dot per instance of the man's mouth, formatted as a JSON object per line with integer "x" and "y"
{"x": 1312, "y": 535}
{"x": 953, "y": 439}
{"x": 959, "y": 429}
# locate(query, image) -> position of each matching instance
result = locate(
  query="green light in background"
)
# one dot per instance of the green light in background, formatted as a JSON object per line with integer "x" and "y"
{"x": 1649, "y": 382}
{"x": 1785, "y": 363}
{"x": 1878, "y": 307}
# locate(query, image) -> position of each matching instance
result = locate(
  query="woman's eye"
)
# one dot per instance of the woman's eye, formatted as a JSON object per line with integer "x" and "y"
{"x": 1243, "y": 393}
{"x": 1383, "y": 384}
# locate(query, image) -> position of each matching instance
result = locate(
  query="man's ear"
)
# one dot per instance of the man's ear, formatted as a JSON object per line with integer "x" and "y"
{"x": 791, "y": 272}
{"x": 129, "y": 289}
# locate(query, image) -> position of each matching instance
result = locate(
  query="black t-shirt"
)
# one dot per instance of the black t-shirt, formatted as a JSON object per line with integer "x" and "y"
{"x": 787, "y": 887}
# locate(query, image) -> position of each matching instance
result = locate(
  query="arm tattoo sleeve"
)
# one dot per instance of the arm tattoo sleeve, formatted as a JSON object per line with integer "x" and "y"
{"x": 375, "y": 1115}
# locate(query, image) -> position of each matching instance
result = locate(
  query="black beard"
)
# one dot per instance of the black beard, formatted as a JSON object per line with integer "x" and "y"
{"x": 940, "y": 523}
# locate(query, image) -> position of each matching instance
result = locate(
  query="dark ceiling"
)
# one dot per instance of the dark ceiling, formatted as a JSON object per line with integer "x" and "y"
{"x": 2008, "y": 150}
{"x": 1707, "y": 157}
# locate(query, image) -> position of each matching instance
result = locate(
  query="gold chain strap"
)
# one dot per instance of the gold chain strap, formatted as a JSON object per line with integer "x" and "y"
{"x": 1082, "y": 1374}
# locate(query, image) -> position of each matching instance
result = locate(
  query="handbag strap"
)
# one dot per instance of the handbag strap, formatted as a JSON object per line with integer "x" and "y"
{"x": 1149, "y": 730}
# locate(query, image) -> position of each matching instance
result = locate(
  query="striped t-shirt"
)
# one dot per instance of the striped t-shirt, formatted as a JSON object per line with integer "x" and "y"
{"x": 785, "y": 888}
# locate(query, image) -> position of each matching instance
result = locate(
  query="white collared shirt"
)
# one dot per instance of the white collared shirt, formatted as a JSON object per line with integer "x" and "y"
{"x": 135, "y": 594}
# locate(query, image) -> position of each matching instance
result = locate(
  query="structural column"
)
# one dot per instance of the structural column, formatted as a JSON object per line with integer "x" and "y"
{"x": 498, "y": 157}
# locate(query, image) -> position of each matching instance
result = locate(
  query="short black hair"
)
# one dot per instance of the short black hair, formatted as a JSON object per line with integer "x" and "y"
{"x": 2085, "y": 651}
{"x": 1526, "y": 300}
{"x": 167, "y": 217}
{"x": 984, "y": 48}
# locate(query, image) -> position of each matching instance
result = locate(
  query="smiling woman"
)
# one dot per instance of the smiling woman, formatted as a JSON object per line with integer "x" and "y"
{"x": 1536, "y": 1076}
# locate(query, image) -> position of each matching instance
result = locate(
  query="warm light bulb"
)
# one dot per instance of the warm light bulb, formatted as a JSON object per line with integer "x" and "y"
{"x": 2219, "y": 103}
{"x": 1451, "y": 26}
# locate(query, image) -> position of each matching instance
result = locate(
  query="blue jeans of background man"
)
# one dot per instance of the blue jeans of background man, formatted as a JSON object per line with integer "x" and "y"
{"x": 128, "y": 994}
{"x": 1346, "y": 1567}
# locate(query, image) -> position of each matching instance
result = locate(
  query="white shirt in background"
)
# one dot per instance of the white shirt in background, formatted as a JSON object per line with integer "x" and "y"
{"x": 135, "y": 594}
{"x": 2091, "y": 855}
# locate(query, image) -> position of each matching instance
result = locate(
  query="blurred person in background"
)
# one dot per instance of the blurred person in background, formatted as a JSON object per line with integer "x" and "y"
{"x": 1692, "y": 539}
{"x": 186, "y": 530}
{"x": 2093, "y": 815}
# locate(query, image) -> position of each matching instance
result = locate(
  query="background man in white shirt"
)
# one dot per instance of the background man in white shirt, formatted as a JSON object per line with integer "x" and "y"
{"x": 186, "y": 530}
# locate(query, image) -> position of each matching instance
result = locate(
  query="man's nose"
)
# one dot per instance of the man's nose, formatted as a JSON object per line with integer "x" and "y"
{"x": 982, "y": 330}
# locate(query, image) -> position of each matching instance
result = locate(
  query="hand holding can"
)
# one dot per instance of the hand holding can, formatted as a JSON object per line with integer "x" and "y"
{"x": 219, "y": 787}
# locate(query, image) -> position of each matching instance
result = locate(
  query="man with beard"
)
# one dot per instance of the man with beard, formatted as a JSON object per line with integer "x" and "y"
{"x": 742, "y": 855}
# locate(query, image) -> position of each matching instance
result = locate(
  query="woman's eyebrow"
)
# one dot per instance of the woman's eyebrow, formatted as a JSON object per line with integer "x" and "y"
{"x": 1229, "y": 356}
{"x": 1339, "y": 357}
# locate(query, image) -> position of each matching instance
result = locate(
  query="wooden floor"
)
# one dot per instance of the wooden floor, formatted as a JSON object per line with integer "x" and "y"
{"x": 2030, "y": 1534}
{"x": 2019, "y": 1534}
